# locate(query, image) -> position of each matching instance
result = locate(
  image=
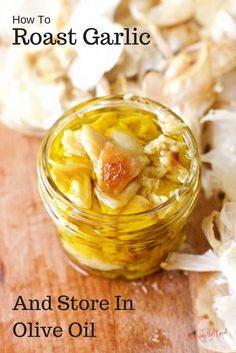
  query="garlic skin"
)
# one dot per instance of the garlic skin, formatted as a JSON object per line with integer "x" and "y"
{"x": 221, "y": 299}
{"x": 175, "y": 87}
{"x": 92, "y": 61}
{"x": 24, "y": 8}
{"x": 185, "y": 66}
{"x": 28, "y": 110}
{"x": 213, "y": 305}
{"x": 222, "y": 156}
{"x": 167, "y": 13}
{"x": 47, "y": 80}
{"x": 225, "y": 308}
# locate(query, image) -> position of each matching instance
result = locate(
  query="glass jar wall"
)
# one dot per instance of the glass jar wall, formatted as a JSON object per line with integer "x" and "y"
{"x": 118, "y": 244}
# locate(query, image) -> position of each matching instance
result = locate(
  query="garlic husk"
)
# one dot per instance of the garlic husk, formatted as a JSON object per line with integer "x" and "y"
{"x": 175, "y": 87}
{"x": 225, "y": 308}
{"x": 222, "y": 156}
{"x": 216, "y": 301}
{"x": 92, "y": 61}
{"x": 27, "y": 110}
{"x": 167, "y": 13}
{"x": 187, "y": 262}
{"x": 215, "y": 329}
{"x": 24, "y": 8}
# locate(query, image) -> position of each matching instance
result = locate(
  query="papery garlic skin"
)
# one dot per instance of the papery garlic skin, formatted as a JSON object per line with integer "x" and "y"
{"x": 192, "y": 49}
{"x": 221, "y": 307}
{"x": 216, "y": 310}
{"x": 225, "y": 308}
{"x": 30, "y": 91}
{"x": 46, "y": 80}
{"x": 167, "y": 13}
{"x": 222, "y": 156}
{"x": 187, "y": 262}
{"x": 92, "y": 61}
{"x": 175, "y": 88}
{"x": 23, "y": 8}
{"x": 223, "y": 256}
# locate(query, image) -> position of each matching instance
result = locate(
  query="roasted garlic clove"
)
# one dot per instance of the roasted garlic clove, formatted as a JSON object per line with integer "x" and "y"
{"x": 116, "y": 167}
{"x": 80, "y": 191}
{"x": 71, "y": 143}
{"x": 116, "y": 203}
{"x": 93, "y": 142}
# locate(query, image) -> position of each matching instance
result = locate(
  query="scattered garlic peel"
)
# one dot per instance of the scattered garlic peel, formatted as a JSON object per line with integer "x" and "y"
{"x": 167, "y": 13}
{"x": 221, "y": 339}
{"x": 225, "y": 308}
{"x": 69, "y": 76}
{"x": 219, "y": 309}
{"x": 175, "y": 88}
{"x": 224, "y": 248}
{"x": 207, "y": 226}
{"x": 86, "y": 71}
{"x": 222, "y": 156}
{"x": 187, "y": 262}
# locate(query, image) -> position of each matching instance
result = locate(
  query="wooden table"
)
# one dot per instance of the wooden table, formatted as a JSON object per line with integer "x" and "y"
{"x": 34, "y": 266}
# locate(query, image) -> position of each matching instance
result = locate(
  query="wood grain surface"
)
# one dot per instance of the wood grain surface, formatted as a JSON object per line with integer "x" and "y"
{"x": 33, "y": 265}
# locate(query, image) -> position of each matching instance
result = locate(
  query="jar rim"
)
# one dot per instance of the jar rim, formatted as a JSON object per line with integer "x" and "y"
{"x": 108, "y": 101}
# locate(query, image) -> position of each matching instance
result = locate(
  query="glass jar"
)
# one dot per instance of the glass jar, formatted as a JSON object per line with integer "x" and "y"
{"x": 125, "y": 245}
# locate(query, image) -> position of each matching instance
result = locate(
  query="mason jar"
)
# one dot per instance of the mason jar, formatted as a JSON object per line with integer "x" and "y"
{"x": 123, "y": 245}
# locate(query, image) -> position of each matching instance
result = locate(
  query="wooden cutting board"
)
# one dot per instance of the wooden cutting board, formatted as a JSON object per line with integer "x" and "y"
{"x": 34, "y": 266}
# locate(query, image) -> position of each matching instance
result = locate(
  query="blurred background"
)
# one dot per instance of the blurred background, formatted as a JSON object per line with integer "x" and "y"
{"x": 189, "y": 64}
